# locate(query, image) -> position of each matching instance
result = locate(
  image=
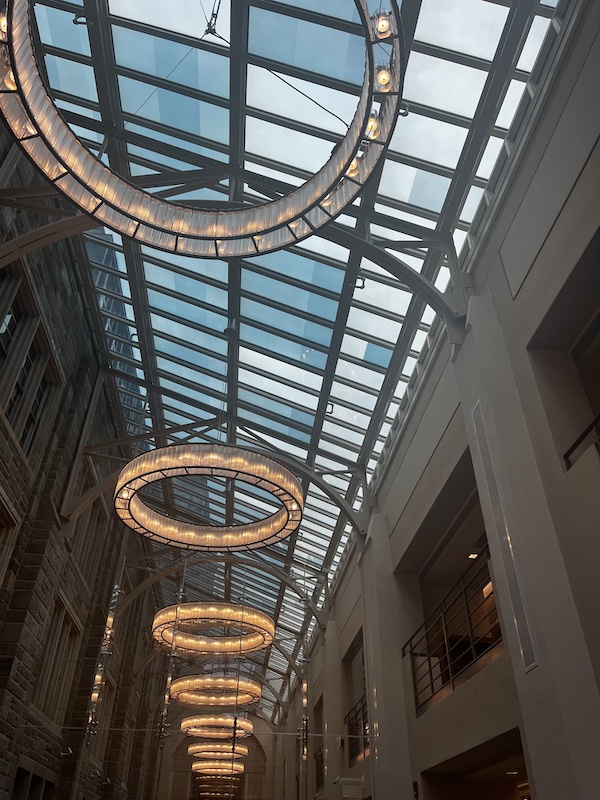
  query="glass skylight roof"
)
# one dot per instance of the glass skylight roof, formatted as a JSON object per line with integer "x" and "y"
{"x": 307, "y": 351}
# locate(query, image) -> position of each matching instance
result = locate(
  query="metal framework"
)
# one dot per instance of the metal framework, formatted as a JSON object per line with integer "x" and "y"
{"x": 312, "y": 352}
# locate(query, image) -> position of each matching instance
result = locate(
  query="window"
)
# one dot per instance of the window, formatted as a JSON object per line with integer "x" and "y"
{"x": 357, "y": 719}
{"x": 320, "y": 750}
{"x": 58, "y": 666}
{"x": 25, "y": 368}
{"x": 105, "y": 710}
{"x": 89, "y": 530}
{"x": 29, "y": 786}
{"x": 8, "y": 532}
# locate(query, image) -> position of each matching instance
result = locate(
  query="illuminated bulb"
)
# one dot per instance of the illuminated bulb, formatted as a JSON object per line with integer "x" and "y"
{"x": 372, "y": 129}
{"x": 9, "y": 81}
{"x": 352, "y": 170}
{"x": 382, "y": 26}
{"x": 383, "y": 79}
{"x": 326, "y": 201}
{"x": 294, "y": 224}
{"x": 3, "y": 27}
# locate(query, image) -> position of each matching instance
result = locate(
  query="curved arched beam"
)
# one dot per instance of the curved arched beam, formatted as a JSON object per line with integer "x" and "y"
{"x": 449, "y": 311}
{"x": 14, "y": 249}
{"x": 228, "y": 558}
{"x": 79, "y": 223}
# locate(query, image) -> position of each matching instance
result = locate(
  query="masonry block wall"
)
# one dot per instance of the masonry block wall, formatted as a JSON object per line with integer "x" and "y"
{"x": 57, "y": 579}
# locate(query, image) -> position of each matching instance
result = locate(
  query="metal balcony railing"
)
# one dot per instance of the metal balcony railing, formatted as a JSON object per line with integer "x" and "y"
{"x": 453, "y": 637}
{"x": 319, "y": 769}
{"x": 590, "y": 436}
{"x": 357, "y": 722}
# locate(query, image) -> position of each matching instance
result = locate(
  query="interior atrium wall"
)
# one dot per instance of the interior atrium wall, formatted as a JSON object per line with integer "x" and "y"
{"x": 479, "y": 460}
{"x": 58, "y": 577}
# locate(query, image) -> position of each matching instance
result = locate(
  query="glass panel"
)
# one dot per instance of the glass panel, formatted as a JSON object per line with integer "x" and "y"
{"x": 429, "y": 139}
{"x": 315, "y": 273}
{"x": 186, "y": 18}
{"x": 290, "y": 323}
{"x": 443, "y": 84}
{"x": 183, "y": 284}
{"x": 415, "y": 186}
{"x": 179, "y": 63}
{"x": 174, "y": 109}
{"x": 71, "y": 77}
{"x": 473, "y": 27}
{"x": 268, "y": 92}
{"x": 56, "y": 28}
{"x": 298, "y": 43}
{"x": 289, "y": 296}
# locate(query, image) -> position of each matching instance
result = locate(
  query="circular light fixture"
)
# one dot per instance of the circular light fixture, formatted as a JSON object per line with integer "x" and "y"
{"x": 383, "y": 25}
{"x": 255, "y": 629}
{"x": 217, "y": 726}
{"x": 384, "y": 78}
{"x": 221, "y": 461}
{"x": 212, "y": 750}
{"x": 148, "y": 219}
{"x": 214, "y": 690}
{"x": 218, "y": 767}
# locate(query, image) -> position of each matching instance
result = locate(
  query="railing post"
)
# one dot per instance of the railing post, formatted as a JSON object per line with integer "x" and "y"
{"x": 469, "y": 621}
{"x": 446, "y": 644}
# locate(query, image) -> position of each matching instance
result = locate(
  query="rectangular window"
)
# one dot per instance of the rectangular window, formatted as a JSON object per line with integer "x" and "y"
{"x": 8, "y": 532}
{"x": 25, "y": 367}
{"x": 58, "y": 666}
{"x": 357, "y": 720}
{"x": 105, "y": 710}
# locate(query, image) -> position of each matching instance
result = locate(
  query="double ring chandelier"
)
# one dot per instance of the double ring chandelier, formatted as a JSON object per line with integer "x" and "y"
{"x": 213, "y": 726}
{"x": 115, "y": 202}
{"x": 221, "y": 461}
{"x": 212, "y": 751}
{"x": 215, "y": 690}
{"x": 179, "y": 628}
{"x": 218, "y": 767}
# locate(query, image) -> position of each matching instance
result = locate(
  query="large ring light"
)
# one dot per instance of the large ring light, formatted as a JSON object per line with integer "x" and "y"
{"x": 123, "y": 207}
{"x": 218, "y": 767}
{"x": 221, "y": 461}
{"x": 217, "y": 726}
{"x": 212, "y": 751}
{"x": 215, "y": 690}
{"x": 180, "y": 627}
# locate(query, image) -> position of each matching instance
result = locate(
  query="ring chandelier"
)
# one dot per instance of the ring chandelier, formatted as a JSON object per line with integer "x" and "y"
{"x": 212, "y": 751}
{"x": 256, "y": 629}
{"x": 217, "y": 785}
{"x": 218, "y": 767}
{"x": 213, "y": 726}
{"x": 221, "y": 461}
{"x": 215, "y": 690}
{"x": 113, "y": 201}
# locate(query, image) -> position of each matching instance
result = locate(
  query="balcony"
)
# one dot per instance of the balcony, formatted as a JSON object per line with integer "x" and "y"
{"x": 357, "y": 722}
{"x": 588, "y": 438}
{"x": 319, "y": 768}
{"x": 449, "y": 647}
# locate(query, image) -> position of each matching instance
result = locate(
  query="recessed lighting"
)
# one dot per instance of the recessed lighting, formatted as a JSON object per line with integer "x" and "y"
{"x": 473, "y": 555}
{"x": 513, "y": 772}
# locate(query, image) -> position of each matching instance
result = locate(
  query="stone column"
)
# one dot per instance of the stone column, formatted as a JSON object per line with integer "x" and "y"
{"x": 391, "y": 612}
{"x": 558, "y": 695}
{"x": 333, "y": 716}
